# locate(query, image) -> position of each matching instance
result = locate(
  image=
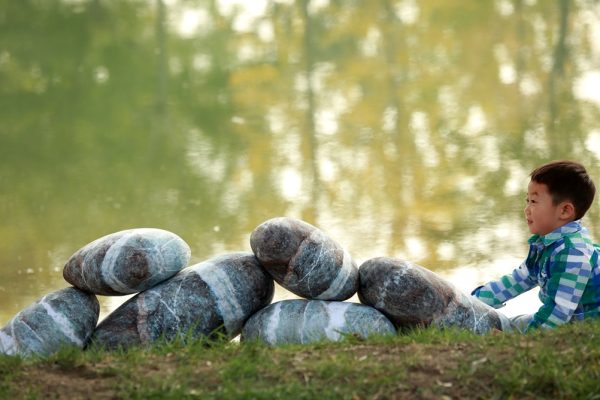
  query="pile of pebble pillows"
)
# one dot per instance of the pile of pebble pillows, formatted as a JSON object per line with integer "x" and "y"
{"x": 232, "y": 293}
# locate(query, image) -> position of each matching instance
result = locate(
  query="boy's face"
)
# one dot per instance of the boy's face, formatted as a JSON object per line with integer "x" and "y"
{"x": 541, "y": 214}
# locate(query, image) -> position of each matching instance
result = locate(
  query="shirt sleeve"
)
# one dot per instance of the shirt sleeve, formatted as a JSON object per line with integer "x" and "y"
{"x": 496, "y": 293}
{"x": 570, "y": 272}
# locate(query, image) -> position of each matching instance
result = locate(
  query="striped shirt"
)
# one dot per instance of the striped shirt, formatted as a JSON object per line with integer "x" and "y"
{"x": 564, "y": 264}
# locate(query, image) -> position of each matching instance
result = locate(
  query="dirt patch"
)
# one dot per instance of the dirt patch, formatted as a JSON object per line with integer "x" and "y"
{"x": 54, "y": 381}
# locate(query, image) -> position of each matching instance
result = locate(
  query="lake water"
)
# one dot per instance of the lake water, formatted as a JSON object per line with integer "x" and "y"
{"x": 400, "y": 128}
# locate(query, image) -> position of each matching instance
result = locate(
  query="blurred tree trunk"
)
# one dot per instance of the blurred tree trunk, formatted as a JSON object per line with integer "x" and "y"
{"x": 521, "y": 70}
{"x": 556, "y": 83}
{"x": 309, "y": 140}
{"x": 406, "y": 175}
{"x": 159, "y": 129}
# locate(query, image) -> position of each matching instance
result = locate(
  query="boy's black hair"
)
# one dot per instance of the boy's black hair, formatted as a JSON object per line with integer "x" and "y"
{"x": 567, "y": 180}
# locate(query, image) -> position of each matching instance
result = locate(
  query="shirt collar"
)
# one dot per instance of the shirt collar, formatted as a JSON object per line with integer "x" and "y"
{"x": 548, "y": 239}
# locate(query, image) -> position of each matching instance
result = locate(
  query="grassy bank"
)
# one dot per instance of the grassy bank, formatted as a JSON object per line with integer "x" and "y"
{"x": 564, "y": 363}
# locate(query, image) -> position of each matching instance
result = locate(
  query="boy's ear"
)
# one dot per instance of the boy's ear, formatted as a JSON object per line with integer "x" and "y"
{"x": 567, "y": 210}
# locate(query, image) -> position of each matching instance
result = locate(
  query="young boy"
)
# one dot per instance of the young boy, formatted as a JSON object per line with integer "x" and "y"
{"x": 562, "y": 259}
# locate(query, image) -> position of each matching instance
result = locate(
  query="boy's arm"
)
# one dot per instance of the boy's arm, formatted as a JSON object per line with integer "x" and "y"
{"x": 495, "y": 293}
{"x": 570, "y": 273}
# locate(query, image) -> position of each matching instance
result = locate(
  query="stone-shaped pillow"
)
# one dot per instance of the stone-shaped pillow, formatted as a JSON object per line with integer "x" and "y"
{"x": 214, "y": 296}
{"x": 410, "y": 295}
{"x": 66, "y": 317}
{"x": 304, "y": 321}
{"x": 304, "y": 260}
{"x": 127, "y": 262}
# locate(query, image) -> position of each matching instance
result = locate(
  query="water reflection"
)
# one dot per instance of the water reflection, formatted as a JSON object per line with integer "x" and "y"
{"x": 401, "y": 128}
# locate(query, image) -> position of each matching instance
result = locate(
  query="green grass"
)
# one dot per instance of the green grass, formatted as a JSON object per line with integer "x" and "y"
{"x": 428, "y": 363}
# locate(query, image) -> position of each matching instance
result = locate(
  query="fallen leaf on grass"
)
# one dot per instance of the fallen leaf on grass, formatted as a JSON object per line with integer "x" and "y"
{"x": 443, "y": 384}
